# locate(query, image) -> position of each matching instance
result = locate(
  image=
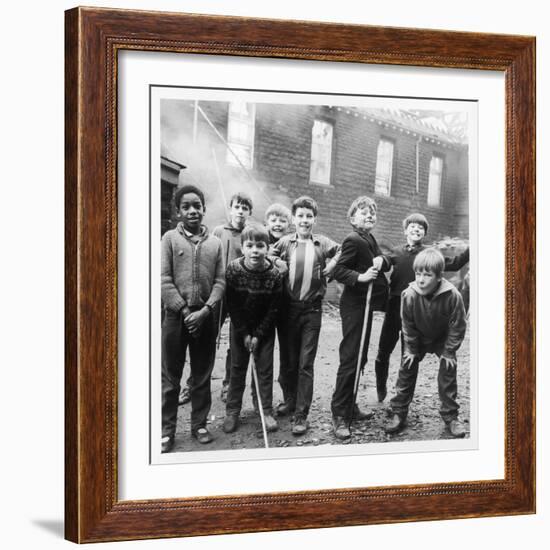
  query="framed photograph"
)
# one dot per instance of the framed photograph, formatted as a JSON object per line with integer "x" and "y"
{"x": 300, "y": 275}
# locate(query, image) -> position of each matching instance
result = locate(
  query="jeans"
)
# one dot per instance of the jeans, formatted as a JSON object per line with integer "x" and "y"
{"x": 406, "y": 383}
{"x": 389, "y": 336}
{"x": 263, "y": 358}
{"x": 202, "y": 349}
{"x": 303, "y": 325}
{"x": 353, "y": 315}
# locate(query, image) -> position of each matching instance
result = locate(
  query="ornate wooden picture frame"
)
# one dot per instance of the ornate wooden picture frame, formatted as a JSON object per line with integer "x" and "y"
{"x": 94, "y": 38}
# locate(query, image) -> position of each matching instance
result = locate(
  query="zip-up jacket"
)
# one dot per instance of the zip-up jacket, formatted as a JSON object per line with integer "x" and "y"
{"x": 433, "y": 324}
{"x": 191, "y": 273}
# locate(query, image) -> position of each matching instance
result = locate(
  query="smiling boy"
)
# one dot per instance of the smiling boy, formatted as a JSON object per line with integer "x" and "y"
{"x": 415, "y": 228}
{"x": 192, "y": 284}
{"x": 254, "y": 288}
{"x": 434, "y": 321}
{"x": 360, "y": 265}
{"x": 306, "y": 254}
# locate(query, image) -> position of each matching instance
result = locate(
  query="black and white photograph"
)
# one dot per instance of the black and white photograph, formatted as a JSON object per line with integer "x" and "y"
{"x": 310, "y": 274}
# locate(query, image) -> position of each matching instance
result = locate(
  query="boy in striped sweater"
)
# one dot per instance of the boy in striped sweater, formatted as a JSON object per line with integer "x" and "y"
{"x": 310, "y": 259}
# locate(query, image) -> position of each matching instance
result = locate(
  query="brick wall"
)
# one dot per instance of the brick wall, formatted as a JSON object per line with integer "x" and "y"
{"x": 282, "y": 154}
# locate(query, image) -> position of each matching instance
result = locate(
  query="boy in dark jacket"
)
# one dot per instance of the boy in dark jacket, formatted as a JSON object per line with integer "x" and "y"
{"x": 254, "y": 287}
{"x": 192, "y": 284}
{"x": 415, "y": 227}
{"x": 434, "y": 321}
{"x": 361, "y": 263}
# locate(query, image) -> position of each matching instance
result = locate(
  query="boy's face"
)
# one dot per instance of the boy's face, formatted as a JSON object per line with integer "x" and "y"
{"x": 415, "y": 233}
{"x": 427, "y": 281}
{"x": 191, "y": 211}
{"x": 304, "y": 220}
{"x": 239, "y": 213}
{"x": 254, "y": 253}
{"x": 277, "y": 225}
{"x": 364, "y": 218}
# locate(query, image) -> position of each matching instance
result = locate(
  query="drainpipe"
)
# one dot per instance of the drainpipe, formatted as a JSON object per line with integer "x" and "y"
{"x": 418, "y": 142}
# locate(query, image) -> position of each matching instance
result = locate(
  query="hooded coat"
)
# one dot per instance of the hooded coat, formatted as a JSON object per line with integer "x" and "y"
{"x": 435, "y": 323}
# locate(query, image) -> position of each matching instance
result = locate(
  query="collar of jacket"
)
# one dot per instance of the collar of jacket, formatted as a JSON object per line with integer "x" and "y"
{"x": 313, "y": 237}
{"x": 445, "y": 286}
{"x": 203, "y": 234}
{"x": 229, "y": 227}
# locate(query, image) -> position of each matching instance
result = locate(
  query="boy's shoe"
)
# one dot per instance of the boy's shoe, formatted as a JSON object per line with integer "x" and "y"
{"x": 202, "y": 435}
{"x": 185, "y": 395}
{"x": 271, "y": 425}
{"x": 230, "y": 423}
{"x": 223, "y": 395}
{"x": 358, "y": 414}
{"x": 285, "y": 408}
{"x": 396, "y": 424}
{"x": 456, "y": 428}
{"x": 341, "y": 428}
{"x": 166, "y": 443}
{"x": 299, "y": 425}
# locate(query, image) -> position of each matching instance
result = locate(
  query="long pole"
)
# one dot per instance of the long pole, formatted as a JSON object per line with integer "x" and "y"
{"x": 235, "y": 156}
{"x": 259, "y": 397}
{"x": 361, "y": 348}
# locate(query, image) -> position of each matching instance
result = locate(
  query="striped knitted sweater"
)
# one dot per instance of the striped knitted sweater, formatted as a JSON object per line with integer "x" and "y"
{"x": 253, "y": 297}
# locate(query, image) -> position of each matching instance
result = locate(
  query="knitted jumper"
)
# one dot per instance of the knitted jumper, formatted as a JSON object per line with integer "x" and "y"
{"x": 191, "y": 274}
{"x": 253, "y": 297}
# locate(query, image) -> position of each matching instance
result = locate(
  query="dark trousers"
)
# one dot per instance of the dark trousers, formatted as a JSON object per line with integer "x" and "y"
{"x": 202, "y": 350}
{"x": 353, "y": 315}
{"x": 406, "y": 383}
{"x": 303, "y": 324}
{"x": 240, "y": 357}
{"x": 389, "y": 336}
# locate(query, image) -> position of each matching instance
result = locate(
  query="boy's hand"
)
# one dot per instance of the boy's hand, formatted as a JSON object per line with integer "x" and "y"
{"x": 253, "y": 344}
{"x": 408, "y": 360}
{"x": 368, "y": 276}
{"x": 282, "y": 266}
{"x": 448, "y": 362}
{"x": 194, "y": 320}
{"x": 250, "y": 343}
{"x": 185, "y": 311}
{"x": 378, "y": 262}
{"x": 329, "y": 268}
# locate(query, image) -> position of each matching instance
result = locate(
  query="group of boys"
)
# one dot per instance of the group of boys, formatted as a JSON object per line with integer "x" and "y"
{"x": 271, "y": 281}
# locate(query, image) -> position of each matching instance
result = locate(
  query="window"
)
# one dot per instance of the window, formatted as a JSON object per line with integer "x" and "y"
{"x": 321, "y": 152}
{"x": 434, "y": 181}
{"x": 240, "y": 133}
{"x": 384, "y": 168}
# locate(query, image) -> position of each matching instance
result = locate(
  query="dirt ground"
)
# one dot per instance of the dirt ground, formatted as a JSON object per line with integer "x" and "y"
{"x": 424, "y": 422}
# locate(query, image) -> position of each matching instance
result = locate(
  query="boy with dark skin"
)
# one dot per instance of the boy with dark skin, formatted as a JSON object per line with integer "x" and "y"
{"x": 192, "y": 284}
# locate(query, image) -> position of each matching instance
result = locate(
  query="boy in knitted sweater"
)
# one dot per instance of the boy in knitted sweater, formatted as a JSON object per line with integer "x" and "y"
{"x": 192, "y": 284}
{"x": 254, "y": 288}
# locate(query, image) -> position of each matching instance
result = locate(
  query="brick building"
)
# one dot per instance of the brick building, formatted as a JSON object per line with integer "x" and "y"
{"x": 333, "y": 154}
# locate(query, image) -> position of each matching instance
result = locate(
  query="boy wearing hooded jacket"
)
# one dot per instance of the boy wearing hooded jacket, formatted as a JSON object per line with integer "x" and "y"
{"x": 433, "y": 321}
